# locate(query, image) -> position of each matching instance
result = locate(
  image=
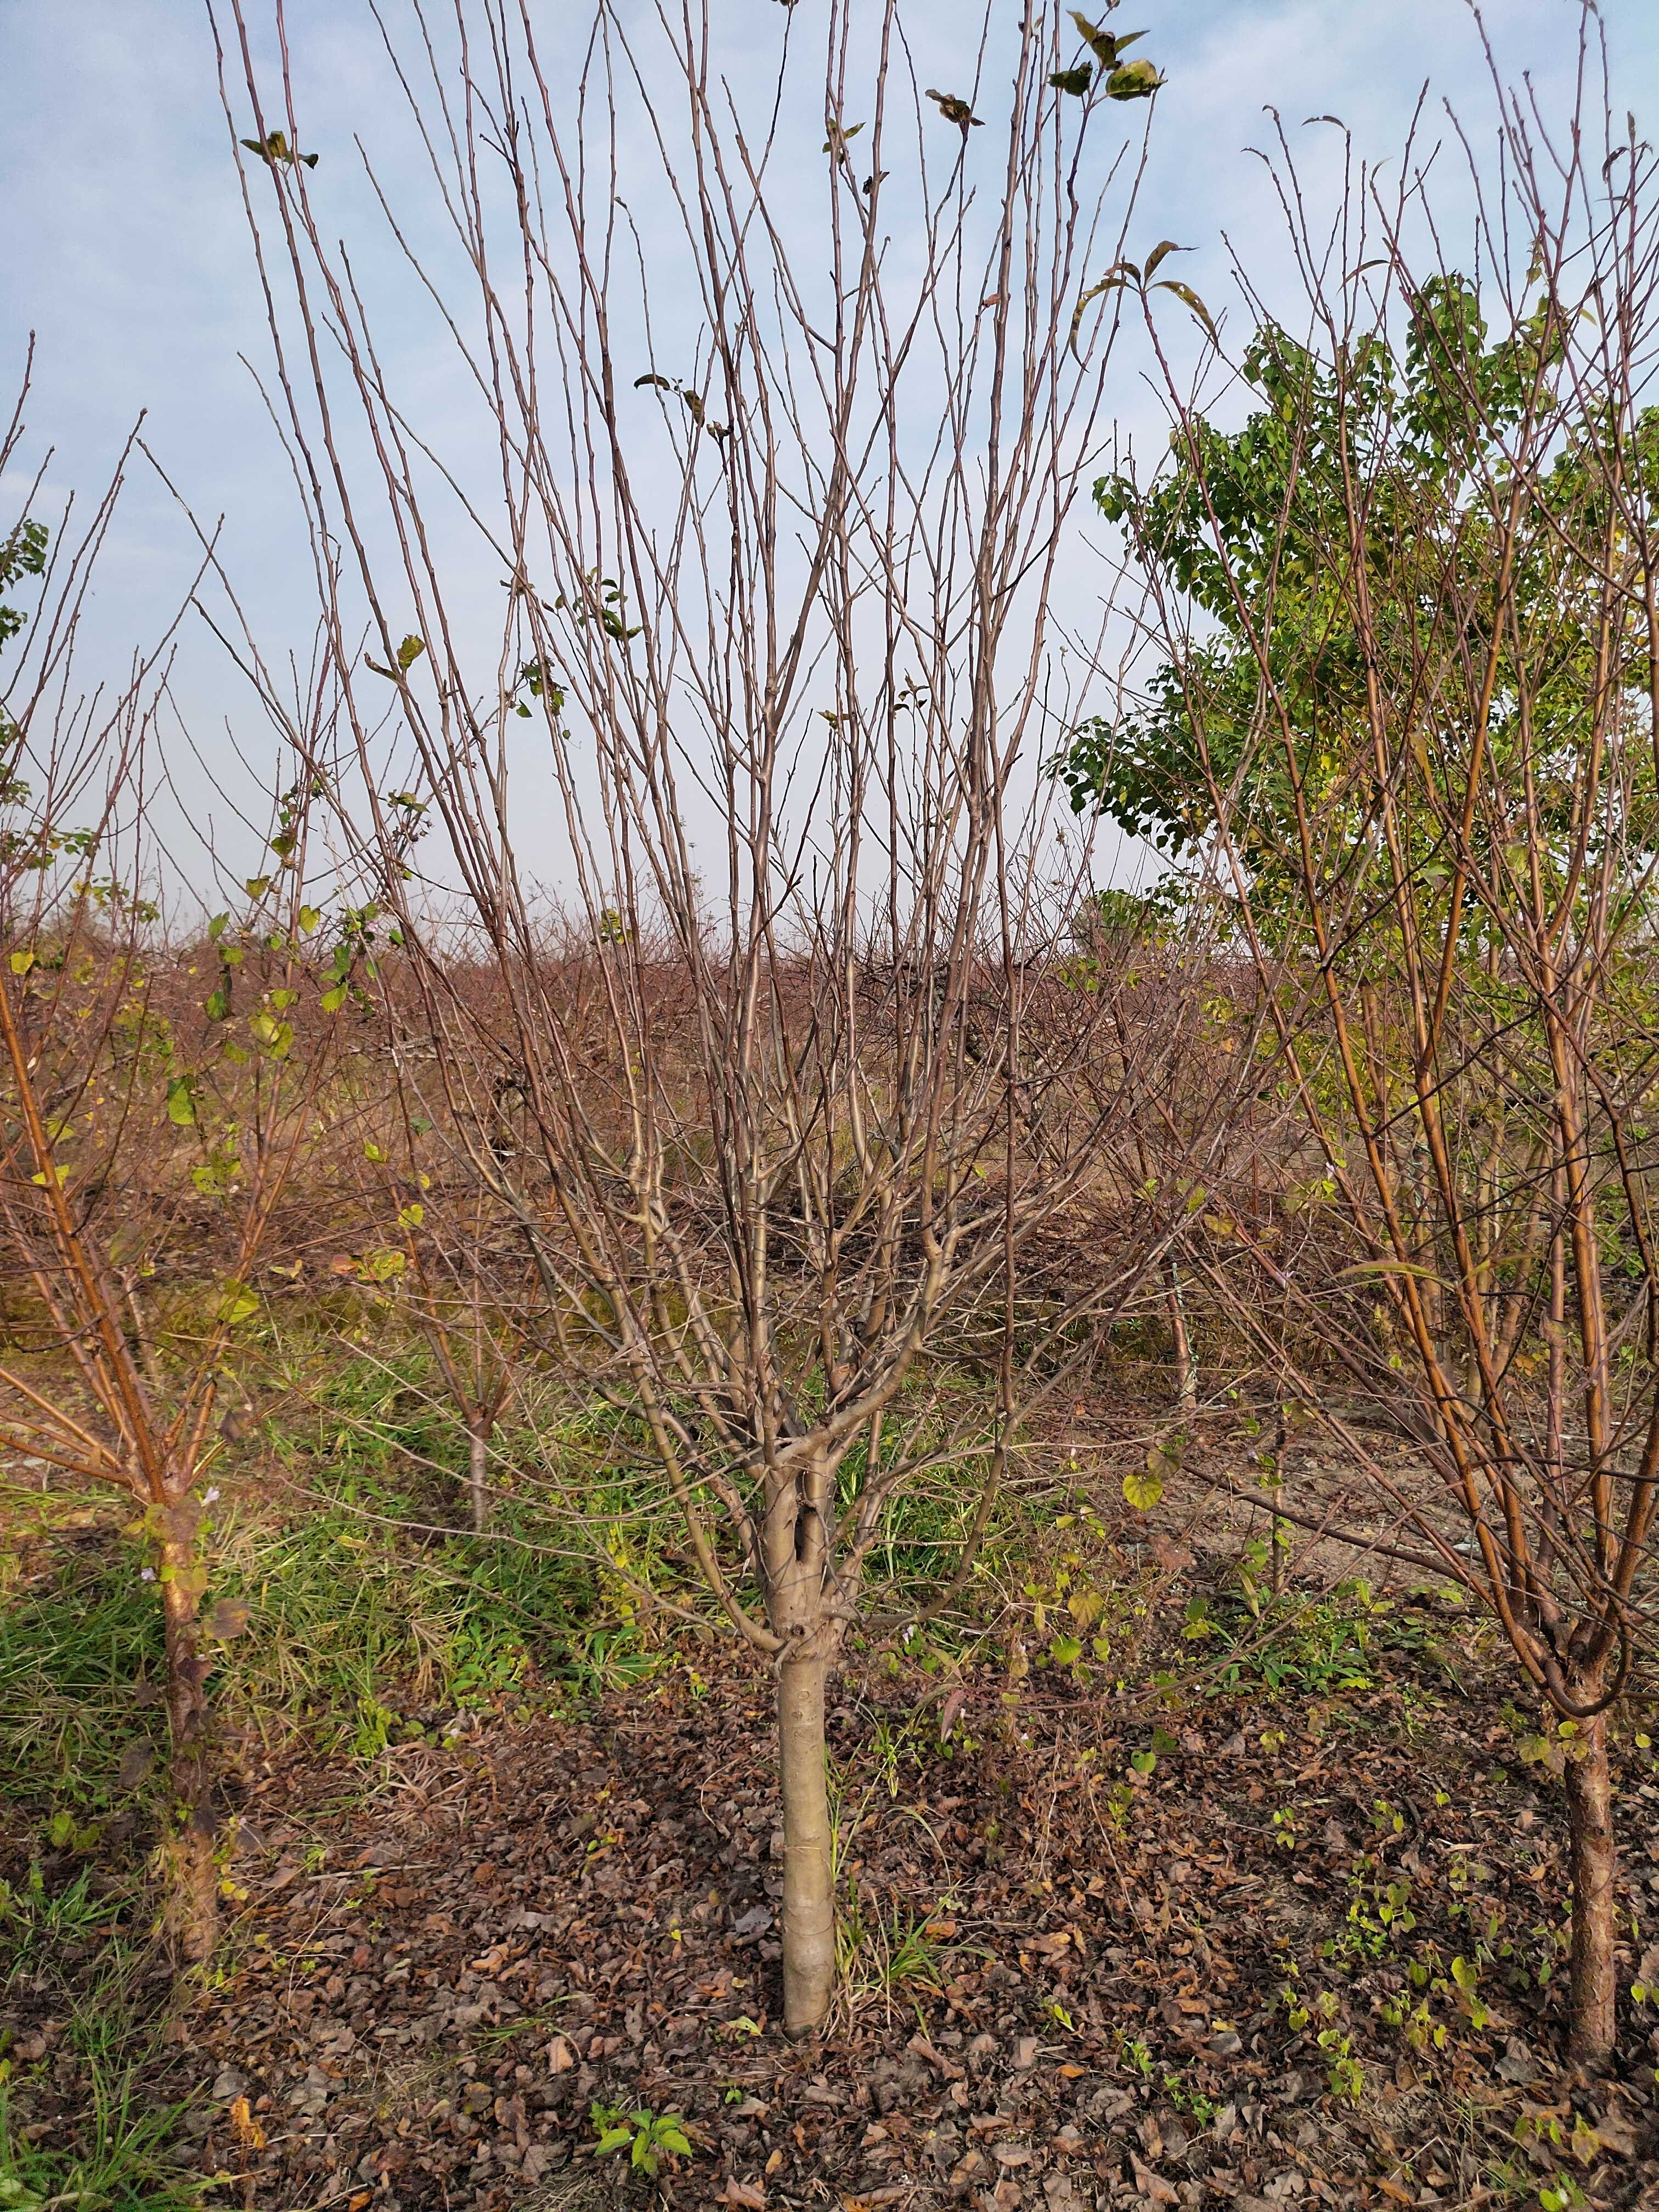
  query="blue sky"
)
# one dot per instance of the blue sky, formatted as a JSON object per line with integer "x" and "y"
{"x": 126, "y": 251}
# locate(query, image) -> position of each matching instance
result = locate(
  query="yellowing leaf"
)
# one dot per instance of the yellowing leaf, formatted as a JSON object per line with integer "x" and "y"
{"x": 21, "y": 962}
{"x": 1142, "y": 1489}
{"x": 236, "y": 1302}
{"x": 1190, "y": 299}
{"x": 245, "y": 2127}
{"x": 1134, "y": 80}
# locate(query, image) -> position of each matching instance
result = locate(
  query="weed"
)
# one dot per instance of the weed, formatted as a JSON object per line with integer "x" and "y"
{"x": 643, "y": 2133}
{"x": 40, "y": 1925}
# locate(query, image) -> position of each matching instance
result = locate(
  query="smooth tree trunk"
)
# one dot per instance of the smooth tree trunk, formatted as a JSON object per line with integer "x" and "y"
{"x": 1594, "y": 1987}
{"x": 808, "y": 1905}
{"x": 192, "y": 1908}
{"x": 477, "y": 1469}
{"x": 1279, "y": 1531}
{"x": 1181, "y": 1342}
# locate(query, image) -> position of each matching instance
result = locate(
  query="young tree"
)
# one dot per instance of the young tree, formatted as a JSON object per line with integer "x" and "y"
{"x": 147, "y": 1135}
{"x": 787, "y": 447}
{"x": 1404, "y": 711}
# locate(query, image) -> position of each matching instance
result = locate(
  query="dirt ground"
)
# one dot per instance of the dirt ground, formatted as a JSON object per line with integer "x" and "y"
{"x": 1224, "y": 1979}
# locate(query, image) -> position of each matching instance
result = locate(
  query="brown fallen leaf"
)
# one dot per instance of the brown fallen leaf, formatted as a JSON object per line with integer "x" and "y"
{"x": 1152, "y": 2185}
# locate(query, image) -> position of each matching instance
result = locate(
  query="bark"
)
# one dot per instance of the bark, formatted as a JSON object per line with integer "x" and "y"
{"x": 808, "y": 1916}
{"x": 1278, "y": 1530}
{"x": 192, "y": 1899}
{"x": 1180, "y": 1343}
{"x": 478, "y": 1469}
{"x": 1593, "y": 1985}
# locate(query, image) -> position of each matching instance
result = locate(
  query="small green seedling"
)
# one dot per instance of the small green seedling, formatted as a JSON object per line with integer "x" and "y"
{"x": 643, "y": 2133}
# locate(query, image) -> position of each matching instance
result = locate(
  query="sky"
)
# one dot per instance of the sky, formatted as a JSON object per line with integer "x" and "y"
{"x": 124, "y": 247}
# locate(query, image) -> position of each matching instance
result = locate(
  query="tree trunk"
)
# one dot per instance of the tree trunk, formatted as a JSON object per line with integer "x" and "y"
{"x": 1180, "y": 1343}
{"x": 808, "y": 1913}
{"x": 190, "y": 1914}
{"x": 478, "y": 1469}
{"x": 1593, "y": 1985}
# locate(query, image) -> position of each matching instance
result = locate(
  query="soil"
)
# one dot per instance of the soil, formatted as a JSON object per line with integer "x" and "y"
{"x": 1075, "y": 1982}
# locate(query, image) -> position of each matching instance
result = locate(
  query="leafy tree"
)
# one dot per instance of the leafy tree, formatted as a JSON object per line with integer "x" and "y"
{"x": 1408, "y": 626}
{"x": 1308, "y": 554}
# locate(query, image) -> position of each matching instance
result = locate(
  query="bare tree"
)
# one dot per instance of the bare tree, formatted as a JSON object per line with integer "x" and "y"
{"x": 785, "y": 484}
{"x": 1406, "y": 709}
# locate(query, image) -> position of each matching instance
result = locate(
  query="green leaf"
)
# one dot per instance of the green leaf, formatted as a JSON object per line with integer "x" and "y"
{"x": 309, "y": 918}
{"x": 181, "y": 1101}
{"x": 1143, "y": 1761}
{"x": 21, "y": 962}
{"x": 670, "y": 2136}
{"x": 218, "y": 927}
{"x": 236, "y": 1304}
{"x": 1134, "y": 80}
{"x": 411, "y": 1216}
{"x": 410, "y": 651}
{"x": 616, "y": 2139}
{"x": 1074, "y": 81}
{"x": 1102, "y": 43}
{"x": 257, "y": 886}
{"x": 1189, "y": 298}
{"x": 1120, "y": 274}
{"x": 217, "y": 1006}
{"x": 274, "y": 1037}
{"x": 333, "y": 1001}
{"x": 381, "y": 1266}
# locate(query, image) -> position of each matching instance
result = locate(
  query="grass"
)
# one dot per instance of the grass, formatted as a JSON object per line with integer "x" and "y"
{"x": 356, "y": 1628}
{"x": 36, "y": 1926}
{"x": 123, "y": 2163}
{"x": 116, "y": 2154}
